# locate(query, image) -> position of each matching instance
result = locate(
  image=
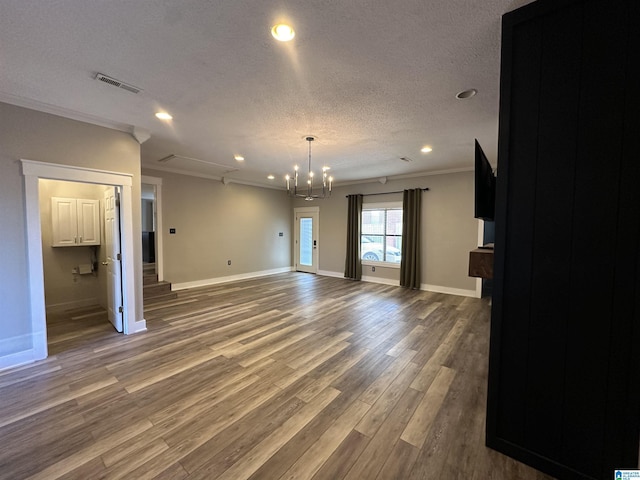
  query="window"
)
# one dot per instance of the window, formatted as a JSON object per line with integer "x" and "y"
{"x": 381, "y": 238}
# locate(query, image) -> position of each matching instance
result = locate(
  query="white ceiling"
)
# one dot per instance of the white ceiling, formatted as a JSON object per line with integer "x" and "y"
{"x": 372, "y": 80}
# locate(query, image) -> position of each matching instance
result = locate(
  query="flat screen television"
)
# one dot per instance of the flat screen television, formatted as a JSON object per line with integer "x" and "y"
{"x": 485, "y": 184}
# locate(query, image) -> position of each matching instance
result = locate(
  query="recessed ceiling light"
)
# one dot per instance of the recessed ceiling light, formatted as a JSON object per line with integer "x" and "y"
{"x": 426, "y": 149}
{"x": 466, "y": 94}
{"x": 164, "y": 116}
{"x": 270, "y": 177}
{"x": 283, "y": 32}
{"x": 239, "y": 158}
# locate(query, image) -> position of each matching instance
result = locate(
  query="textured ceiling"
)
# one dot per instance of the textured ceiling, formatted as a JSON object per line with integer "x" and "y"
{"x": 372, "y": 80}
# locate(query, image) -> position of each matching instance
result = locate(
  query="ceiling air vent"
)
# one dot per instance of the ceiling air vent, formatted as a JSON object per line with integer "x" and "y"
{"x": 406, "y": 159}
{"x": 117, "y": 83}
{"x": 179, "y": 160}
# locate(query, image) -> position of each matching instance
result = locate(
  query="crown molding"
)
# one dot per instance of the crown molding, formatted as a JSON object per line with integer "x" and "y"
{"x": 219, "y": 178}
{"x": 64, "y": 112}
{"x": 404, "y": 176}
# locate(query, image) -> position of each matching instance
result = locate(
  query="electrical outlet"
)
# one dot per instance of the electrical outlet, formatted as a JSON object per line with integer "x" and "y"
{"x": 228, "y": 262}
{"x": 74, "y": 270}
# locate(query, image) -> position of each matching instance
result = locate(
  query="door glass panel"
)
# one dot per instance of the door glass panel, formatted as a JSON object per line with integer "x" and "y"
{"x": 306, "y": 241}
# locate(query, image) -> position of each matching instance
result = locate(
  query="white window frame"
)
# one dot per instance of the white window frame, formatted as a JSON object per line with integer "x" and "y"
{"x": 380, "y": 206}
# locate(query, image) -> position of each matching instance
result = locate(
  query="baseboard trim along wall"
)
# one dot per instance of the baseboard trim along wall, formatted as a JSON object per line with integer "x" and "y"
{"x": 449, "y": 291}
{"x": 424, "y": 286}
{"x": 327, "y": 273}
{"x": 22, "y": 350}
{"x": 231, "y": 278}
{"x": 381, "y": 280}
{"x": 16, "y": 359}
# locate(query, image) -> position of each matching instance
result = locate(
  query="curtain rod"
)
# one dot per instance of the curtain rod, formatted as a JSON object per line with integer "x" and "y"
{"x": 387, "y": 193}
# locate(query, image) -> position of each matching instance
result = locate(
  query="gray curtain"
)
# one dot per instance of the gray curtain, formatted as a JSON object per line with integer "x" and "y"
{"x": 411, "y": 214}
{"x": 353, "y": 264}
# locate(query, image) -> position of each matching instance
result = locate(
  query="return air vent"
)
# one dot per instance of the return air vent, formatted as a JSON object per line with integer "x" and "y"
{"x": 117, "y": 83}
{"x": 406, "y": 159}
{"x": 192, "y": 163}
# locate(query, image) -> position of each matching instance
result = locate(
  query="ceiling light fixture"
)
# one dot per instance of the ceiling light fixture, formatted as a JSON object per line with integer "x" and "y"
{"x": 426, "y": 149}
{"x": 327, "y": 182}
{"x": 164, "y": 116}
{"x": 238, "y": 158}
{"x": 283, "y": 32}
{"x": 466, "y": 94}
{"x": 270, "y": 177}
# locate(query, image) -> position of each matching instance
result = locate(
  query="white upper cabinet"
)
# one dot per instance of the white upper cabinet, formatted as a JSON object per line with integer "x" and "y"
{"x": 76, "y": 222}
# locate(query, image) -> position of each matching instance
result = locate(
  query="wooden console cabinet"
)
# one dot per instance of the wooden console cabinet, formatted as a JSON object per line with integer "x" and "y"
{"x": 481, "y": 263}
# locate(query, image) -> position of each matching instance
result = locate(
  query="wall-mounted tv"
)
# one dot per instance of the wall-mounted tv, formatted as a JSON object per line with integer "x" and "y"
{"x": 485, "y": 183}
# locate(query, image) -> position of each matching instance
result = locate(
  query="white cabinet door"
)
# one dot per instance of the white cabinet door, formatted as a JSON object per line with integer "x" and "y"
{"x": 88, "y": 222}
{"x": 75, "y": 222}
{"x": 64, "y": 217}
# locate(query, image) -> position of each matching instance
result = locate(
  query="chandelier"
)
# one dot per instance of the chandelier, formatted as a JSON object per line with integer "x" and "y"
{"x": 308, "y": 193}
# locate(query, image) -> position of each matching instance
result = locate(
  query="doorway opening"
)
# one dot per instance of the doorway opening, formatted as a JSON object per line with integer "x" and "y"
{"x": 151, "y": 216}
{"x": 33, "y": 172}
{"x": 80, "y": 229}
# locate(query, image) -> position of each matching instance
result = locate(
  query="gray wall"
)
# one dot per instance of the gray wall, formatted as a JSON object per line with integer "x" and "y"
{"x": 43, "y": 137}
{"x": 61, "y": 287}
{"x": 449, "y": 229}
{"x": 215, "y": 223}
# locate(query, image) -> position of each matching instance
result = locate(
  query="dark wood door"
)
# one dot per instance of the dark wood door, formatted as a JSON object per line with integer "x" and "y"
{"x": 564, "y": 367}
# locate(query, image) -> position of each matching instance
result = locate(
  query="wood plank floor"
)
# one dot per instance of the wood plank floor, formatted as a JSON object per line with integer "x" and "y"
{"x": 292, "y": 376}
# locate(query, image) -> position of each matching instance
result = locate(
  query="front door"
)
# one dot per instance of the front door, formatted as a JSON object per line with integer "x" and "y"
{"x": 113, "y": 257}
{"x": 306, "y": 246}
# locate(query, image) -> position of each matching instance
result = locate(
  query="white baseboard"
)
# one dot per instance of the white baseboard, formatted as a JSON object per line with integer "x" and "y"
{"x": 449, "y": 291}
{"x": 231, "y": 278}
{"x": 16, "y": 359}
{"x": 389, "y": 281}
{"x": 384, "y": 281}
{"x": 60, "y": 307}
{"x": 24, "y": 349}
{"x": 140, "y": 326}
{"x": 327, "y": 273}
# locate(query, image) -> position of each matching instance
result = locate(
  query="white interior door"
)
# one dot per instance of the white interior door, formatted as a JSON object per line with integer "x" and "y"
{"x": 113, "y": 257}
{"x": 306, "y": 244}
